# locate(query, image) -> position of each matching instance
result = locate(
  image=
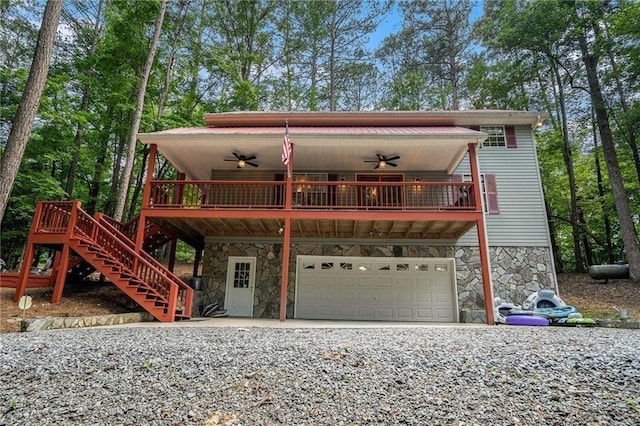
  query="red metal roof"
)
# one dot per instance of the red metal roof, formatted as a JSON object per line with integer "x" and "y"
{"x": 336, "y": 130}
{"x": 372, "y": 118}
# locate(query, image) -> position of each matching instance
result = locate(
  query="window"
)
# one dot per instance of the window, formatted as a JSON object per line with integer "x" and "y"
{"x": 496, "y": 135}
{"x": 241, "y": 275}
{"x": 305, "y": 193}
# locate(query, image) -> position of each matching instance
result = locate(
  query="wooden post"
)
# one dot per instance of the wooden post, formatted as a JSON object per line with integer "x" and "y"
{"x": 286, "y": 243}
{"x": 483, "y": 242}
{"x": 28, "y": 255}
{"x": 172, "y": 254}
{"x": 286, "y": 251}
{"x": 61, "y": 274}
{"x": 196, "y": 262}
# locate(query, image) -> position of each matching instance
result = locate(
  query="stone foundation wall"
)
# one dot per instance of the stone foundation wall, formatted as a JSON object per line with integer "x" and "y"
{"x": 516, "y": 271}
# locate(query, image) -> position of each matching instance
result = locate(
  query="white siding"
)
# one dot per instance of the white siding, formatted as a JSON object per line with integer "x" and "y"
{"x": 521, "y": 221}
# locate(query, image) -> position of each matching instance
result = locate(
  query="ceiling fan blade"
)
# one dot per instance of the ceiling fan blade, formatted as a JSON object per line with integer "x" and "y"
{"x": 251, "y": 157}
{"x": 252, "y": 164}
{"x": 391, "y": 164}
{"x": 397, "y": 157}
{"x": 239, "y": 157}
{"x": 371, "y": 161}
{"x": 227, "y": 159}
{"x": 377, "y": 166}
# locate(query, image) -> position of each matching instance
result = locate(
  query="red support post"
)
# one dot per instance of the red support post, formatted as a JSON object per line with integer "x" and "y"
{"x": 286, "y": 251}
{"x": 61, "y": 274}
{"x": 286, "y": 244}
{"x": 172, "y": 254}
{"x": 28, "y": 255}
{"x": 483, "y": 241}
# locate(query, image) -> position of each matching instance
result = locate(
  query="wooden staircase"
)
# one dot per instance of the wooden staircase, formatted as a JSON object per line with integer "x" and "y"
{"x": 100, "y": 246}
{"x": 154, "y": 237}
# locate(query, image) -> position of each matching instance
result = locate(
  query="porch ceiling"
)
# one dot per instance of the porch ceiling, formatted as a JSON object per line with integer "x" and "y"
{"x": 196, "y": 151}
{"x": 196, "y": 229}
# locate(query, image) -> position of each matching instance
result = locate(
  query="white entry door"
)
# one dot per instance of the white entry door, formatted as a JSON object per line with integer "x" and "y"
{"x": 241, "y": 276}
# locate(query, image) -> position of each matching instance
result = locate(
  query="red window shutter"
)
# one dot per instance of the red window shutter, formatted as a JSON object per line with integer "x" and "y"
{"x": 510, "y": 134}
{"x": 492, "y": 193}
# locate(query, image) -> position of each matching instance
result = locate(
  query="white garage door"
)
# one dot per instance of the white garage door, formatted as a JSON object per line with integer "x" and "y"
{"x": 365, "y": 288}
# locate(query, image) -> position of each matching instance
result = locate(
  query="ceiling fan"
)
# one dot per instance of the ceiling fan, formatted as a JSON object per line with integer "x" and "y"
{"x": 384, "y": 161}
{"x": 242, "y": 160}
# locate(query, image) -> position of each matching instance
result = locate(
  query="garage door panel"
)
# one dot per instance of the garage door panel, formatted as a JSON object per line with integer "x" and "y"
{"x": 385, "y": 313}
{"x": 394, "y": 289}
{"x": 366, "y": 297}
{"x": 384, "y": 282}
{"x": 424, "y": 298}
{"x": 405, "y": 297}
{"x": 442, "y": 297}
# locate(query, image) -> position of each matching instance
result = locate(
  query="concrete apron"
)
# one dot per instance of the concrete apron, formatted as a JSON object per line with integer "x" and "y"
{"x": 292, "y": 323}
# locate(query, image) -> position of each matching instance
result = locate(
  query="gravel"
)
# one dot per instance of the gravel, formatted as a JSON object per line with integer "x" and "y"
{"x": 261, "y": 376}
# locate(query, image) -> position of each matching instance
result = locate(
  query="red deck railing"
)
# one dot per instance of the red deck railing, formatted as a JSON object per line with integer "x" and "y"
{"x": 342, "y": 195}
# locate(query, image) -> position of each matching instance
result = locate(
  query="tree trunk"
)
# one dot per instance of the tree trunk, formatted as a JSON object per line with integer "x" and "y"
{"x": 567, "y": 155}
{"x": 627, "y": 229}
{"x": 84, "y": 106}
{"x": 557, "y": 259}
{"x": 115, "y": 176}
{"x": 28, "y": 107}
{"x": 128, "y": 167}
{"x": 605, "y": 214}
{"x": 139, "y": 184}
{"x": 627, "y": 115}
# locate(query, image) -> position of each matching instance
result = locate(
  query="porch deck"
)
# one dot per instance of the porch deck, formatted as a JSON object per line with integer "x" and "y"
{"x": 335, "y": 209}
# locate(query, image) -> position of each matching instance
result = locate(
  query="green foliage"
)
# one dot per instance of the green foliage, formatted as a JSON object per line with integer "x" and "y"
{"x": 220, "y": 55}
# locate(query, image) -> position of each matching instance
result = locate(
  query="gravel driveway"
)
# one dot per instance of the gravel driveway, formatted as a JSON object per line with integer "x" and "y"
{"x": 262, "y": 376}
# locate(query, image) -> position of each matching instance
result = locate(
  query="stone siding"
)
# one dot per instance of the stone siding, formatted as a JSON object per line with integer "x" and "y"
{"x": 516, "y": 271}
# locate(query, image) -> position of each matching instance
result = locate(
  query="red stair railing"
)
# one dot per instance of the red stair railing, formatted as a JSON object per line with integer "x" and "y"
{"x": 68, "y": 217}
{"x": 185, "y": 293}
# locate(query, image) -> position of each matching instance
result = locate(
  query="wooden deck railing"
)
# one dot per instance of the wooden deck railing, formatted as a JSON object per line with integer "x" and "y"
{"x": 342, "y": 195}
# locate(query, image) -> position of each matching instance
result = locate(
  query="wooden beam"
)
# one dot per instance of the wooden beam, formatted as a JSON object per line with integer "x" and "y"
{"x": 409, "y": 229}
{"x": 446, "y": 228}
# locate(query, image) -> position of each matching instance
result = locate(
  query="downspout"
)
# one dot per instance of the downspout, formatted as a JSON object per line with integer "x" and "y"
{"x": 483, "y": 241}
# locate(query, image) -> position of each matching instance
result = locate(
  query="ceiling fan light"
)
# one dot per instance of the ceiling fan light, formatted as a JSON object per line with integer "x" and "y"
{"x": 241, "y": 163}
{"x": 383, "y": 164}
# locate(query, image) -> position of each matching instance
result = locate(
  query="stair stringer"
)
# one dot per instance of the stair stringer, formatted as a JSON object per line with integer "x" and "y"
{"x": 126, "y": 280}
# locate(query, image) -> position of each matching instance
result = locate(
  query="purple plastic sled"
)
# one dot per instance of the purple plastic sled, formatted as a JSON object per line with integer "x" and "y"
{"x": 527, "y": 320}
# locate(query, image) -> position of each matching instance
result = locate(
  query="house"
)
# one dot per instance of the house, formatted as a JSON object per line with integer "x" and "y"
{"x": 402, "y": 216}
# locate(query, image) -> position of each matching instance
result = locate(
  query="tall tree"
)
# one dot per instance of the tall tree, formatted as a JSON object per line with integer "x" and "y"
{"x": 590, "y": 59}
{"x": 133, "y": 137}
{"x": 21, "y": 128}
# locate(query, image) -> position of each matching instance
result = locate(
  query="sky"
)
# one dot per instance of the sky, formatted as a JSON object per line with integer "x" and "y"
{"x": 393, "y": 22}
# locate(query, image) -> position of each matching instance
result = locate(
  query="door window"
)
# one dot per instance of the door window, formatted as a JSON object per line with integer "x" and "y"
{"x": 241, "y": 275}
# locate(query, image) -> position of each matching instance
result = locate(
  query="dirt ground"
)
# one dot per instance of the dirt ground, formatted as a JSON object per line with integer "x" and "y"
{"x": 592, "y": 298}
